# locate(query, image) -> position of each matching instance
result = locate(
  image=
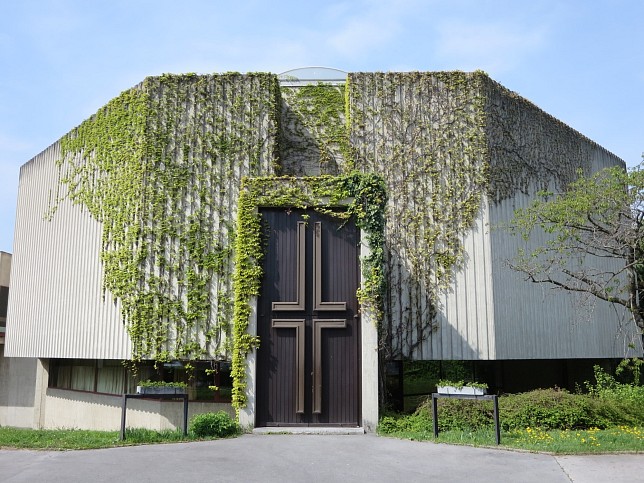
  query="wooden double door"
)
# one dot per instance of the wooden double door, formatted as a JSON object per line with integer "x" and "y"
{"x": 308, "y": 362}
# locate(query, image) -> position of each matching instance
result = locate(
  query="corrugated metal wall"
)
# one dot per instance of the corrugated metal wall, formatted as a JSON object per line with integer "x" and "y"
{"x": 464, "y": 319}
{"x": 59, "y": 308}
{"x": 56, "y": 308}
{"x": 421, "y": 132}
{"x": 467, "y": 317}
{"x": 536, "y": 321}
{"x": 532, "y": 151}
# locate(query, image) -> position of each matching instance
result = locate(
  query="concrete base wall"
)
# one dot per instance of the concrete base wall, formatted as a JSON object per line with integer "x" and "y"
{"x": 17, "y": 390}
{"x": 369, "y": 358}
{"x": 81, "y": 410}
{"x": 27, "y": 402}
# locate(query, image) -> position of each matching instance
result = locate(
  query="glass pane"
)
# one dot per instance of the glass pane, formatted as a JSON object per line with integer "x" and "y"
{"x": 111, "y": 379}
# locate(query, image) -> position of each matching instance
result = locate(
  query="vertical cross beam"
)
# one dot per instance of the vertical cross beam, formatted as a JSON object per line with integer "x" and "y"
{"x": 317, "y": 275}
{"x": 298, "y": 304}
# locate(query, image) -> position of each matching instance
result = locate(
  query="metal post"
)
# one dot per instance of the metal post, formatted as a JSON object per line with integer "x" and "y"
{"x": 496, "y": 419}
{"x": 123, "y": 411}
{"x": 185, "y": 414}
{"x": 435, "y": 414}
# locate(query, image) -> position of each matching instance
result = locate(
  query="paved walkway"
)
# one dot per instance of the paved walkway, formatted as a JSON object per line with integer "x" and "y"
{"x": 308, "y": 458}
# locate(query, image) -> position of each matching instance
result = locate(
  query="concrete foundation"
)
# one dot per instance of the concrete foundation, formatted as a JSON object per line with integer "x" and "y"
{"x": 17, "y": 390}
{"x": 75, "y": 409}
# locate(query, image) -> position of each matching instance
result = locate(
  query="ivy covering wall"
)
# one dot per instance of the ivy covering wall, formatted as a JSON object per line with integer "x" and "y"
{"x": 160, "y": 167}
{"x": 313, "y": 135}
{"x": 424, "y": 133}
{"x": 529, "y": 149}
{"x": 175, "y": 168}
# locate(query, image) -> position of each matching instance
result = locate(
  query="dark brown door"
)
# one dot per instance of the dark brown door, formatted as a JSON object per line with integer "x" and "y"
{"x": 308, "y": 359}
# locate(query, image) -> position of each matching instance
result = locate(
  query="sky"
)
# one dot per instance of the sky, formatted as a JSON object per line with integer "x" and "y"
{"x": 61, "y": 60}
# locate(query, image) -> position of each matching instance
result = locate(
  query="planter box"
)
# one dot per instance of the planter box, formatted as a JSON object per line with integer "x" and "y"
{"x": 462, "y": 391}
{"x": 155, "y": 390}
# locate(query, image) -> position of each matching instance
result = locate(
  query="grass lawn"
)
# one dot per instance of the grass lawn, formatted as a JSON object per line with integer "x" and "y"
{"x": 617, "y": 439}
{"x": 532, "y": 439}
{"x": 65, "y": 439}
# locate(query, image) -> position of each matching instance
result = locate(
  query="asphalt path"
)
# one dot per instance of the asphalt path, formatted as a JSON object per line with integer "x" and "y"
{"x": 312, "y": 458}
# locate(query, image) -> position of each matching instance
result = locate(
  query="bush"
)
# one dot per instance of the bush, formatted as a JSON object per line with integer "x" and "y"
{"x": 607, "y": 387}
{"x": 218, "y": 424}
{"x": 549, "y": 409}
{"x": 414, "y": 423}
{"x": 617, "y": 413}
{"x": 621, "y": 402}
{"x": 459, "y": 414}
{"x": 609, "y": 402}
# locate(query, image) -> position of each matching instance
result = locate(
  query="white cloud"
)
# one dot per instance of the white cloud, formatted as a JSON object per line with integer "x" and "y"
{"x": 373, "y": 24}
{"x": 496, "y": 47}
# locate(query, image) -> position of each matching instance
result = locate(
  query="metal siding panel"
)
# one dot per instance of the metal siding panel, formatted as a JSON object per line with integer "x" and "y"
{"x": 460, "y": 327}
{"x": 471, "y": 335}
{"x": 535, "y": 322}
{"x": 57, "y": 309}
{"x": 531, "y": 151}
{"x": 58, "y": 263}
{"x": 467, "y": 318}
{"x": 486, "y": 282}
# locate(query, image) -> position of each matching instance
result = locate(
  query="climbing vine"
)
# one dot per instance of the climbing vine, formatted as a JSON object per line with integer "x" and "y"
{"x": 160, "y": 167}
{"x": 530, "y": 150}
{"x": 362, "y": 195}
{"x": 314, "y": 138}
{"x": 425, "y": 134}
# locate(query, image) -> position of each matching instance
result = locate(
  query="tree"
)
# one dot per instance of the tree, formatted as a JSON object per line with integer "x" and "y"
{"x": 596, "y": 238}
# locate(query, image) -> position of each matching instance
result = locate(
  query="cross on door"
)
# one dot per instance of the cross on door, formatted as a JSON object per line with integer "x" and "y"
{"x": 309, "y": 356}
{"x": 318, "y": 324}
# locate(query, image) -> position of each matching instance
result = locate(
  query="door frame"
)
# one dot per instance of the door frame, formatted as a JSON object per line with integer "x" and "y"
{"x": 276, "y": 192}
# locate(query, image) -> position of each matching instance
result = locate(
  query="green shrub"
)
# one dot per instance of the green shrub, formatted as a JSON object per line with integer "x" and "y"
{"x": 559, "y": 409}
{"x": 607, "y": 387}
{"x": 453, "y": 414}
{"x": 459, "y": 414}
{"x": 613, "y": 412}
{"x": 218, "y": 424}
{"x": 413, "y": 423}
{"x": 548, "y": 409}
{"x": 608, "y": 404}
{"x": 149, "y": 383}
{"x": 621, "y": 402}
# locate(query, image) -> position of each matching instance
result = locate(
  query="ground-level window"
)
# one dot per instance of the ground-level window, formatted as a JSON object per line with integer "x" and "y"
{"x": 206, "y": 380}
{"x": 102, "y": 376}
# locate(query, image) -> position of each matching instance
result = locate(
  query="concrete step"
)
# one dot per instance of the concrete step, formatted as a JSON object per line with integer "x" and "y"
{"x": 308, "y": 430}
